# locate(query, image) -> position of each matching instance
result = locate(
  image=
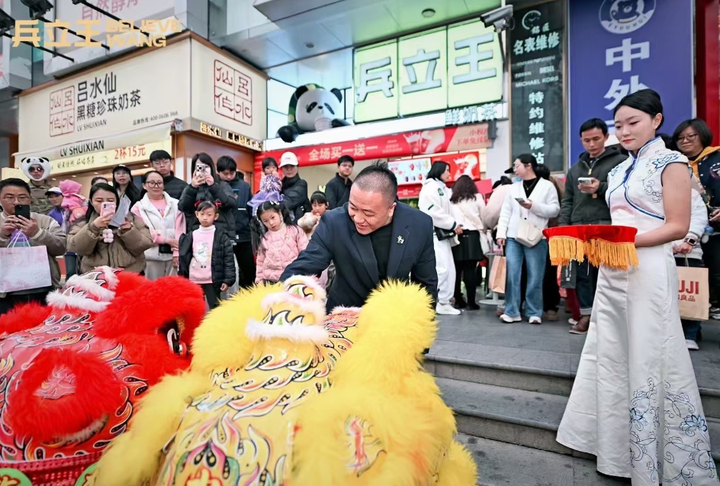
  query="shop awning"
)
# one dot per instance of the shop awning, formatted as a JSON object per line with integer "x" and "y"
{"x": 123, "y": 148}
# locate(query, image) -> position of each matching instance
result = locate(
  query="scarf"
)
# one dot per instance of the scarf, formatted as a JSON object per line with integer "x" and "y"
{"x": 694, "y": 163}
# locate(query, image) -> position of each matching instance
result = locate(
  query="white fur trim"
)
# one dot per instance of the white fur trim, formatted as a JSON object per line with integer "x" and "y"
{"x": 297, "y": 334}
{"x": 342, "y": 308}
{"x": 311, "y": 282}
{"x": 110, "y": 276}
{"x": 305, "y": 306}
{"x": 90, "y": 287}
{"x": 57, "y": 299}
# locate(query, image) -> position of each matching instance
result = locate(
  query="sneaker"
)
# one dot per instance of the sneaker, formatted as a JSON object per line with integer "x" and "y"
{"x": 572, "y": 322}
{"x": 509, "y": 320}
{"x": 447, "y": 310}
{"x": 551, "y": 316}
{"x": 535, "y": 320}
{"x": 714, "y": 310}
{"x": 692, "y": 345}
{"x": 715, "y": 316}
{"x": 582, "y": 326}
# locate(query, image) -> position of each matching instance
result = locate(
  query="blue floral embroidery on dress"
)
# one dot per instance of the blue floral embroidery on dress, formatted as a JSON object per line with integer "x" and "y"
{"x": 685, "y": 443}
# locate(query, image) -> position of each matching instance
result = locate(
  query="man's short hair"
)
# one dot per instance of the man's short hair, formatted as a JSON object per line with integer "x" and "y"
{"x": 378, "y": 178}
{"x": 346, "y": 158}
{"x": 594, "y": 123}
{"x": 159, "y": 155}
{"x": 14, "y": 182}
{"x": 226, "y": 163}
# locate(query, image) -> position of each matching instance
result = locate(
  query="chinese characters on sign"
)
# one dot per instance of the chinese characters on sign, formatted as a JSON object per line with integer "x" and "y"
{"x": 231, "y": 137}
{"x": 476, "y": 114}
{"x": 646, "y": 45}
{"x": 451, "y": 66}
{"x": 98, "y": 97}
{"x": 62, "y": 111}
{"x": 99, "y": 158}
{"x": 233, "y": 93}
{"x": 536, "y": 72}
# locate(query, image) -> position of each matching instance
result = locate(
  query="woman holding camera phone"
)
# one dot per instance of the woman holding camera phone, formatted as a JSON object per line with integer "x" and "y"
{"x": 206, "y": 185}
{"x": 166, "y": 222}
{"x": 100, "y": 242}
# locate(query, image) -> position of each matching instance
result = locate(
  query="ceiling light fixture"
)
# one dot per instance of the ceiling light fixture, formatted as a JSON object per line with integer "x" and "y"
{"x": 428, "y": 12}
{"x": 309, "y": 45}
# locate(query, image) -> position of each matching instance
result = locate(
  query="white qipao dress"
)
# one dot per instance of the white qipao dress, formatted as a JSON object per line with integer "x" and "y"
{"x": 635, "y": 402}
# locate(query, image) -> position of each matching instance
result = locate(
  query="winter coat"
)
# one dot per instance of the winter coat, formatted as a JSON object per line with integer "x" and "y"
{"x": 242, "y": 193}
{"x": 39, "y": 202}
{"x": 698, "y": 222}
{"x": 278, "y": 250}
{"x": 494, "y": 205}
{"x": 337, "y": 191}
{"x": 126, "y": 251}
{"x": 220, "y": 192}
{"x": 221, "y": 260}
{"x": 51, "y": 236}
{"x": 170, "y": 225}
{"x": 295, "y": 193}
{"x": 581, "y": 208}
{"x": 545, "y": 206}
{"x": 470, "y": 213}
{"x": 434, "y": 200}
{"x": 174, "y": 186}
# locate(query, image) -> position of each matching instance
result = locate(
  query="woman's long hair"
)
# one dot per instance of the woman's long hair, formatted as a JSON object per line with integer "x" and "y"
{"x": 463, "y": 189}
{"x": 131, "y": 191}
{"x": 437, "y": 170}
{"x": 99, "y": 187}
{"x": 207, "y": 160}
{"x": 258, "y": 229}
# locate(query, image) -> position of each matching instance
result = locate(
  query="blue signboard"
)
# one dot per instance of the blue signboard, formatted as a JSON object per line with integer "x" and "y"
{"x": 620, "y": 46}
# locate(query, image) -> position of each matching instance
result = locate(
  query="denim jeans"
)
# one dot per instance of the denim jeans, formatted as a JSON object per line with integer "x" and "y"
{"x": 534, "y": 259}
{"x": 690, "y": 328}
{"x": 585, "y": 286}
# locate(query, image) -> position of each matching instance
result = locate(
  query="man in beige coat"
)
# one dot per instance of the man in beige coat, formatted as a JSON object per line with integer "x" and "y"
{"x": 40, "y": 230}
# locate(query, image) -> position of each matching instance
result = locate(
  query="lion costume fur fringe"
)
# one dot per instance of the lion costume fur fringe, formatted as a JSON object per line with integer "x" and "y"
{"x": 363, "y": 412}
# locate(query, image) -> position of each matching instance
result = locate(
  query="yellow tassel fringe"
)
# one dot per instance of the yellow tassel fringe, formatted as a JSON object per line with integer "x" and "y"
{"x": 564, "y": 249}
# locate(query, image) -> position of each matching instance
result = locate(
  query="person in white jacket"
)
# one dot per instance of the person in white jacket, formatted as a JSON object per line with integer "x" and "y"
{"x": 166, "y": 223}
{"x": 688, "y": 253}
{"x": 435, "y": 201}
{"x": 534, "y": 200}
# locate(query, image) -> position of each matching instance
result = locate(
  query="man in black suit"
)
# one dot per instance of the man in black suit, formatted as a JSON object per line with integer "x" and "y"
{"x": 371, "y": 238}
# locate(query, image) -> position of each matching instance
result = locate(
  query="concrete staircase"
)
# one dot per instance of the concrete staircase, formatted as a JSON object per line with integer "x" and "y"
{"x": 514, "y": 394}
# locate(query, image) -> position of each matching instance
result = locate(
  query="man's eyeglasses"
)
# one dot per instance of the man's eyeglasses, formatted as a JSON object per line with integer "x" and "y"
{"x": 688, "y": 138}
{"x": 10, "y": 198}
{"x": 154, "y": 183}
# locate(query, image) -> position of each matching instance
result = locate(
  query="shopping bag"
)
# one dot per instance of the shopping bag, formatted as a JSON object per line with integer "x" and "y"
{"x": 497, "y": 275}
{"x": 23, "y": 267}
{"x": 693, "y": 293}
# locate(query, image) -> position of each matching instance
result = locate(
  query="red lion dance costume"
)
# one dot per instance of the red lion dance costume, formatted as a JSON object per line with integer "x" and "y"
{"x": 72, "y": 372}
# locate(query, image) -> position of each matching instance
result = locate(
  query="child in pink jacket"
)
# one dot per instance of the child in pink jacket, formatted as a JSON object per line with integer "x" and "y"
{"x": 278, "y": 242}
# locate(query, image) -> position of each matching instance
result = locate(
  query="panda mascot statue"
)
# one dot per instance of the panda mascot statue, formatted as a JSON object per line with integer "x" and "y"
{"x": 312, "y": 109}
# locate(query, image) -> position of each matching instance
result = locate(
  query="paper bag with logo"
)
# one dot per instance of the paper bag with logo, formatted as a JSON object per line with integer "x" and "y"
{"x": 693, "y": 293}
{"x": 497, "y": 275}
{"x": 23, "y": 267}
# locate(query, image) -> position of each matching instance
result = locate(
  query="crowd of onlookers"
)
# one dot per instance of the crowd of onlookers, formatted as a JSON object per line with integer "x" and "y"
{"x": 215, "y": 232}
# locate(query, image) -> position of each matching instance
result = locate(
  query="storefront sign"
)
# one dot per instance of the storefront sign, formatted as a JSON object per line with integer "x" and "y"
{"x": 644, "y": 45}
{"x": 114, "y": 99}
{"x": 447, "y": 67}
{"x": 228, "y": 136}
{"x": 413, "y": 171}
{"x": 228, "y": 95}
{"x": 536, "y": 72}
{"x": 108, "y": 158}
{"x": 440, "y": 140}
{"x": 476, "y": 114}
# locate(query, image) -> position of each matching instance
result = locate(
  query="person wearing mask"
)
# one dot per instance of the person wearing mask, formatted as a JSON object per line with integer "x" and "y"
{"x": 373, "y": 239}
{"x": 531, "y": 201}
{"x": 98, "y": 243}
{"x": 337, "y": 190}
{"x": 55, "y": 196}
{"x": 227, "y": 170}
{"x": 206, "y": 185}
{"x": 635, "y": 403}
{"x": 584, "y": 203}
{"x": 434, "y": 200}
{"x": 39, "y": 230}
{"x": 124, "y": 185}
{"x": 166, "y": 223}
{"x": 294, "y": 189}
{"x": 694, "y": 139}
{"x": 470, "y": 207}
{"x": 163, "y": 163}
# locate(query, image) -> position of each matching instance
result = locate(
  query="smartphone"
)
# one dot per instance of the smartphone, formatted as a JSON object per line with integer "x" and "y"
{"x": 107, "y": 208}
{"x": 201, "y": 171}
{"x": 585, "y": 180}
{"x": 22, "y": 210}
{"x": 520, "y": 199}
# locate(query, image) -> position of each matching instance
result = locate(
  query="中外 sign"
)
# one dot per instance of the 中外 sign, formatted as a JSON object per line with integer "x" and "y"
{"x": 618, "y": 47}
{"x": 453, "y": 66}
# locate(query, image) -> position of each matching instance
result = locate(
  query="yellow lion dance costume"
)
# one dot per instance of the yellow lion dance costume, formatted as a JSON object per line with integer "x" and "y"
{"x": 279, "y": 394}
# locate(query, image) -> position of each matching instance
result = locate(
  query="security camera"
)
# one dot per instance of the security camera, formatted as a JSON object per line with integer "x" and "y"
{"x": 500, "y": 18}
{"x": 7, "y": 23}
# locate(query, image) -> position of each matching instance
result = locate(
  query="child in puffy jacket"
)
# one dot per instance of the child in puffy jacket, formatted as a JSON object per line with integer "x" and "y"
{"x": 276, "y": 240}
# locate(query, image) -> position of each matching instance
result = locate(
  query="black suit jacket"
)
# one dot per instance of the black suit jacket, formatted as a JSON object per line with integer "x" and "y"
{"x": 412, "y": 256}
